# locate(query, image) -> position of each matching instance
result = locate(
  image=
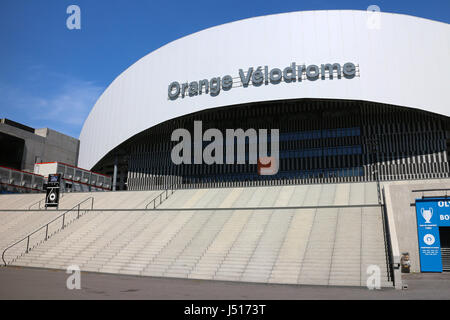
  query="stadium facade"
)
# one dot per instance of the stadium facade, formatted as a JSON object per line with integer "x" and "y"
{"x": 356, "y": 96}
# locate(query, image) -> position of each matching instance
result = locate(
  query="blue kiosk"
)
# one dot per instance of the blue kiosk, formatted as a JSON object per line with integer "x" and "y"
{"x": 433, "y": 230}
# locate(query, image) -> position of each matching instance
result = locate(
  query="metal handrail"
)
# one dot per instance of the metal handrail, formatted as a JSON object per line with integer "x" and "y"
{"x": 387, "y": 241}
{"x": 172, "y": 190}
{"x": 63, "y": 215}
{"x": 431, "y": 190}
{"x": 39, "y": 202}
{"x": 411, "y": 176}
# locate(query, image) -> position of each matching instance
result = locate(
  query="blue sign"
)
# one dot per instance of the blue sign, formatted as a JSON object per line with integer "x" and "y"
{"x": 431, "y": 214}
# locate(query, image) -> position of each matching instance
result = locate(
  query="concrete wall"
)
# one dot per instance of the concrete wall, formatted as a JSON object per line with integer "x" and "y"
{"x": 45, "y": 145}
{"x": 401, "y": 199}
{"x": 59, "y": 147}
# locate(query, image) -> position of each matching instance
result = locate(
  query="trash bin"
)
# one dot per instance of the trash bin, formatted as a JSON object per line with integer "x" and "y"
{"x": 405, "y": 262}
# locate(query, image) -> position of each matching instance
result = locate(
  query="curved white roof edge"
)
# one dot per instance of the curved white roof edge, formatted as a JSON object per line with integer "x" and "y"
{"x": 401, "y": 60}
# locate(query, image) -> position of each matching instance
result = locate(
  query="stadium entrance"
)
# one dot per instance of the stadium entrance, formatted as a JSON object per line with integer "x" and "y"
{"x": 444, "y": 235}
{"x": 320, "y": 141}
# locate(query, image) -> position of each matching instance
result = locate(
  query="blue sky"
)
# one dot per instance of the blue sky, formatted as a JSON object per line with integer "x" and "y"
{"x": 51, "y": 76}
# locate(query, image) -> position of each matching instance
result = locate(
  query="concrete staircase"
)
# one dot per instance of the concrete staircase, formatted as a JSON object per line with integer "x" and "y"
{"x": 19, "y": 201}
{"x": 15, "y": 225}
{"x": 233, "y": 234}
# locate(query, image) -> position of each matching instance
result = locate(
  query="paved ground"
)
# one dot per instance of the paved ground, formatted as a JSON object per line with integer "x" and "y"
{"x": 29, "y": 283}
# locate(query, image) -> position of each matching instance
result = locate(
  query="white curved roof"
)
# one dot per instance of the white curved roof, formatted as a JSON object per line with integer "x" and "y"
{"x": 403, "y": 62}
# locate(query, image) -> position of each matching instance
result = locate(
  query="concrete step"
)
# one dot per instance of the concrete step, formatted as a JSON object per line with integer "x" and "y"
{"x": 324, "y": 246}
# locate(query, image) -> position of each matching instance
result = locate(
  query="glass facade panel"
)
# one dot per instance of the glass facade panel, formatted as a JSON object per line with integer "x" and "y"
{"x": 318, "y": 139}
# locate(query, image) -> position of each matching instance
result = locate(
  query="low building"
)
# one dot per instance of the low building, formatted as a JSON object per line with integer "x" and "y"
{"x": 23, "y": 146}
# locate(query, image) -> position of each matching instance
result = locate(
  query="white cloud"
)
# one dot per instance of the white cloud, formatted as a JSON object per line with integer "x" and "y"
{"x": 71, "y": 104}
{"x": 63, "y": 106}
